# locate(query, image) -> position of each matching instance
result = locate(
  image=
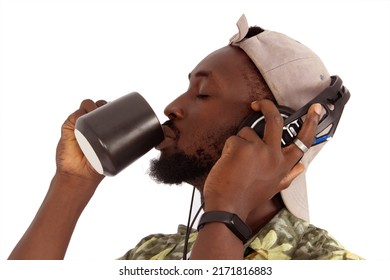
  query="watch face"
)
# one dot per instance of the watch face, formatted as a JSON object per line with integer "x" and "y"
{"x": 232, "y": 221}
{"x": 240, "y": 228}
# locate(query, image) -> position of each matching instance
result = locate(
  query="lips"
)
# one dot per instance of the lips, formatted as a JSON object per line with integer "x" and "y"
{"x": 169, "y": 139}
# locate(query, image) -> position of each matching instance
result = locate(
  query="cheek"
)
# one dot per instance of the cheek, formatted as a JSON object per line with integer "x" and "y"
{"x": 193, "y": 137}
{"x": 207, "y": 141}
{"x": 208, "y": 132}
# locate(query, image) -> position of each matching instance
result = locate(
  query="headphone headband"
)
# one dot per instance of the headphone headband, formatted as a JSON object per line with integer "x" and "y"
{"x": 333, "y": 100}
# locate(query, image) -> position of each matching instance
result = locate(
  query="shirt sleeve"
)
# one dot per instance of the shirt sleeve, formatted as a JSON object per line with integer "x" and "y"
{"x": 161, "y": 246}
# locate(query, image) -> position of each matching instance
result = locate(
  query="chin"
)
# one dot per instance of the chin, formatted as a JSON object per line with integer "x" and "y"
{"x": 176, "y": 168}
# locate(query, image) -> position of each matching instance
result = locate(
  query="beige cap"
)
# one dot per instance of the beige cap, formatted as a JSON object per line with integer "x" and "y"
{"x": 295, "y": 75}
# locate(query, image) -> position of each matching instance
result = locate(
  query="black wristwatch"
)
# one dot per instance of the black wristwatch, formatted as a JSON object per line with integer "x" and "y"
{"x": 232, "y": 221}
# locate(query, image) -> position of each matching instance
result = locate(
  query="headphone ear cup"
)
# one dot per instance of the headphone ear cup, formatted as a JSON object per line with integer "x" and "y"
{"x": 257, "y": 122}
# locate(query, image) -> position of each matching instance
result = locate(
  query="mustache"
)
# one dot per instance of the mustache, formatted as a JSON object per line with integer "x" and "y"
{"x": 233, "y": 131}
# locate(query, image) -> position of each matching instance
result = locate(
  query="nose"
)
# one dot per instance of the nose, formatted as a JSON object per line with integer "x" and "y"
{"x": 175, "y": 111}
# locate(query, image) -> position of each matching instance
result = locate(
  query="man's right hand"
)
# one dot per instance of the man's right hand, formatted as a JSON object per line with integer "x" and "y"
{"x": 69, "y": 157}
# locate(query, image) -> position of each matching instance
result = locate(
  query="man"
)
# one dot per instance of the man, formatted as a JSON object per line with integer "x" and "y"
{"x": 253, "y": 191}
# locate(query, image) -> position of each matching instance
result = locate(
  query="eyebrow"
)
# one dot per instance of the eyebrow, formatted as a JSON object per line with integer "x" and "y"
{"x": 200, "y": 73}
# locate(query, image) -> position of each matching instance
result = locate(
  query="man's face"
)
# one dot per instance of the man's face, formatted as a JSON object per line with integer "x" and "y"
{"x": 202, "y": 118}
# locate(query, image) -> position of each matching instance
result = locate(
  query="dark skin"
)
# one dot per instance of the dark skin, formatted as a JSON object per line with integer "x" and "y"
{"x": 239, "y": 182}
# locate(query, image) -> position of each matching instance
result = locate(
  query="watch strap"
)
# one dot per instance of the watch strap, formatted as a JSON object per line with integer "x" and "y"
{"x": 231, "y": 220}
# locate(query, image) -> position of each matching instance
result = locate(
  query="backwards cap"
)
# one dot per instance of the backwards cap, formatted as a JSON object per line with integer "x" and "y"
{"x": 295, "y": 75}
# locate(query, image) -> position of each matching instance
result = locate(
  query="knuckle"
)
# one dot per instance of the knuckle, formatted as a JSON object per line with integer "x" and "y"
{"x": 276, "y": 119}
{"x": 244, "y": 131}
{"x": 86, "y": 103}
{"x": 312, "y": 120}
{"x": 231, "y": 144}
{"x": 238, "y": 147}
{"x": 101, "y": 102}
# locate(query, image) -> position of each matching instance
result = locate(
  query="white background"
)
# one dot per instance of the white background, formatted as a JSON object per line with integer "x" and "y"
{"x": 54, "y": 54}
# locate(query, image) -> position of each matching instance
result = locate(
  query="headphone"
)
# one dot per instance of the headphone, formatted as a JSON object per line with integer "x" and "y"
{"x": 332, "y": 99}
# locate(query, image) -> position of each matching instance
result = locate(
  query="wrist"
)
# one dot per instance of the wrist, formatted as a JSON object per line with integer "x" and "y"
{"x": 233, "y": 222}
{"x": 220, "y": 204}
{"x": 74, "y": 187}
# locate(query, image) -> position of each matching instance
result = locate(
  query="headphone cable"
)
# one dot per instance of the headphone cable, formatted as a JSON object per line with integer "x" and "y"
{"x": 190, "y": 224}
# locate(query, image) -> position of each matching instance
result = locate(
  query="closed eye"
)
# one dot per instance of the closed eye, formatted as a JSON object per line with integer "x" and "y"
{"x": 202, "y": 96}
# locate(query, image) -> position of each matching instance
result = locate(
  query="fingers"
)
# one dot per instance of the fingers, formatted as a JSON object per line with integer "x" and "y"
{"x": 274, "y": 128}
{"x": 273, "y": 122}
{"x": 248, "y": 134}
{"x": 86, "y": 106}
{"x": 291, "y": 175}
{"x": 306, "y": 134}
{"x": 100, "y": 103}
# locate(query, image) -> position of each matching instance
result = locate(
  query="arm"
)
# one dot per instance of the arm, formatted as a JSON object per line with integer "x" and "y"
{"x": 70, "y": 190}
{"x": 250, "y": 172}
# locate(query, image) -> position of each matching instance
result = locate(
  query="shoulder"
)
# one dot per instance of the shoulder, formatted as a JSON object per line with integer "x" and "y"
{"x": 288, "y": 237}
{"x": 318, "y": 244}
{"x": 160, "y": 246}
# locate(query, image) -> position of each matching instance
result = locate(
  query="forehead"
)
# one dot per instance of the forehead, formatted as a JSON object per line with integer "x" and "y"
{"x": 226, "y": 63}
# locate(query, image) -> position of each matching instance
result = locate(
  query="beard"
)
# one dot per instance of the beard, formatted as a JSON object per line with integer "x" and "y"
{"x": 180, "y": 167}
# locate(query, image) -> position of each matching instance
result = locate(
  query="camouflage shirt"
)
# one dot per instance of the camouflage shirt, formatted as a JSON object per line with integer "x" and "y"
{"x": 285, "y": 237}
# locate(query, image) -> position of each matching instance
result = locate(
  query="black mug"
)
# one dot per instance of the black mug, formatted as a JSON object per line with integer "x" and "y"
{"x": 116, "y": 134}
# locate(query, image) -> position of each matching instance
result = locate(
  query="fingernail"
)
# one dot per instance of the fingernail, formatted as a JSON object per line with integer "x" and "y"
{"x": 255, "y": 105}
{"x": 317, "y": 108}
